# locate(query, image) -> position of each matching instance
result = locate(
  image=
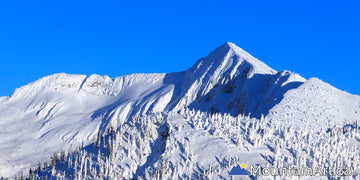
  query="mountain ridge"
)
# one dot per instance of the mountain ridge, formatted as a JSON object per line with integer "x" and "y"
{"x": 62, "y": 110}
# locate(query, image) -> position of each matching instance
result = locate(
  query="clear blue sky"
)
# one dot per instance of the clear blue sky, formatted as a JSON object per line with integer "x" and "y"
{"x": 313, "y": 38}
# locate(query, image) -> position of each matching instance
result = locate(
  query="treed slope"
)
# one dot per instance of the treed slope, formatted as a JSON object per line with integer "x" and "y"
{"x": 197, "y": 145}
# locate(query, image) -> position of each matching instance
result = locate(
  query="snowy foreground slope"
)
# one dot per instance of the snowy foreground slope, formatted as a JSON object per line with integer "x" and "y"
{"x": 227, "y": 109}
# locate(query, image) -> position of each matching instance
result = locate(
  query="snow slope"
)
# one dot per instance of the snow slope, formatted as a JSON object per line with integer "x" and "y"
{"x": 62, "y": 111}
{"x": 59, "y": 110}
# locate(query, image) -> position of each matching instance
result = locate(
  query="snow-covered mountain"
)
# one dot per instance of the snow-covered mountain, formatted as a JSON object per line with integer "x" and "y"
{"x": 228, "y": 108}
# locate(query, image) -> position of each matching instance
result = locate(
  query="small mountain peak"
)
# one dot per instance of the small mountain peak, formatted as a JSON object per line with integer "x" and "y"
{"x": 224, "y": 49}
{"x": 236, "y": 49}
{"x": 230, "y": 44}
{"x": 227, "y": 58}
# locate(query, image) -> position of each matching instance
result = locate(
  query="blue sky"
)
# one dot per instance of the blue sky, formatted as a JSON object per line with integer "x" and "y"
{"x": 313, "y": 38}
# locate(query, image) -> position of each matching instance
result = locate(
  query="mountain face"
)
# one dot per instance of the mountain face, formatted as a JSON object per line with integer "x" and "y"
{"x": 61, "y": 111}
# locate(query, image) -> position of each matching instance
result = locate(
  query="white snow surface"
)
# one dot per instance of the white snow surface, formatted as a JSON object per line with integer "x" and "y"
{"x": 61, "y": 111}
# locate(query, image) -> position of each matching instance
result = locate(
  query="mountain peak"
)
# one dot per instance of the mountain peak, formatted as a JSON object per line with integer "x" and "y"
{"x": 228, "y": 60}
{"x": 230, "y": 44}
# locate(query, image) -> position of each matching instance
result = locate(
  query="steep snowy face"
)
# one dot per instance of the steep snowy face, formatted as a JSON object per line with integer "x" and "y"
{"x": 226, "y": 60}
{"x": 226, "y": 63}
{"x": 229, "y": 80}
